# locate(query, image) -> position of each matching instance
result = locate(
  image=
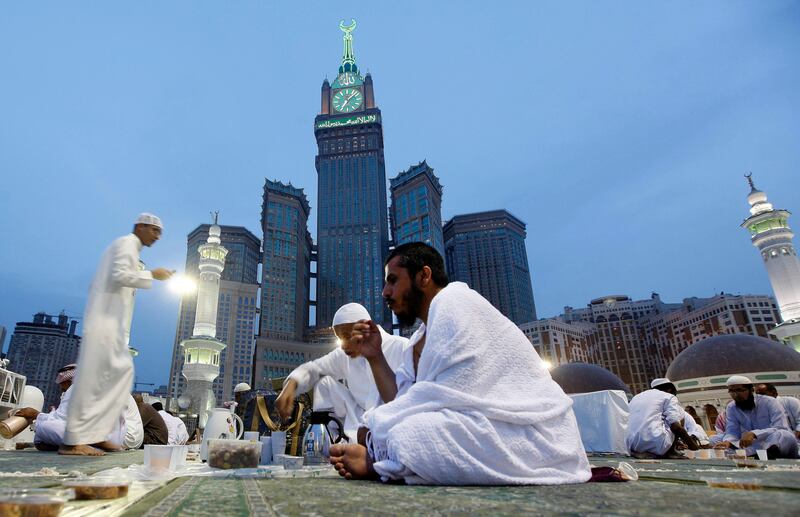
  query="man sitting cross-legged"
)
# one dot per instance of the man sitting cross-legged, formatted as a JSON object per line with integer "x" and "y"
{"x": 471, "y": 403}
{"x": 656, "y": 422}
{"x": 756, "y": 422}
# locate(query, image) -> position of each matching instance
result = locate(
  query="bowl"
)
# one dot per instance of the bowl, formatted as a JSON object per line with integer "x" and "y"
{"x": 292, "y": 462}
{"x": 88, "y": 489}
{"x": 233, "y": 454}
{"x": 33, "y": 502}
{"x": 738, "y": 483}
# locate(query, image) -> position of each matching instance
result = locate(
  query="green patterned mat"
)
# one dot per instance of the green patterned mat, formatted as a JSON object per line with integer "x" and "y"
{"x": 31, "y": 460}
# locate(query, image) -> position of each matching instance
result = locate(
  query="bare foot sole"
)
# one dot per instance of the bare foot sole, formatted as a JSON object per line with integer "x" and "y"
{"x": 80, "y": 450}
{"x": 352, "y": 461}
{"x": 107, "y": 446}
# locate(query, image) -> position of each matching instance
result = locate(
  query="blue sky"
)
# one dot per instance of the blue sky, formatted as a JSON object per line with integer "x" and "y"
{"x": 618, "y": 131}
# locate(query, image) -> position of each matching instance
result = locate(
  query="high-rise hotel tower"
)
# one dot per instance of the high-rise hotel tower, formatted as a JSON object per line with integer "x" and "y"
{"x": 352, "y": 224}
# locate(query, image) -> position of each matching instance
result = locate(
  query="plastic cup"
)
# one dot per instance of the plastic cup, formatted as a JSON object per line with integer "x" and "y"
{"x": 251, "y": 436}
{"x": 762, "y": 454}
{"x": 719, "y": 454}
{"x": 266, "y": 450}
{"x": 157, "y": 457}
{"x": 741, "y": 453}
{"x": 689, "y": 454}
{"x": 703, "y": 454}
{"x": 278, "y": 442}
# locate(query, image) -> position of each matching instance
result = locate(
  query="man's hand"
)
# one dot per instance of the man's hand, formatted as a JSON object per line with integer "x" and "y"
{"x": 797, "y": 434}
{"x": 27, "y": 412}
{"x": 365, "y": 340}
{"x": 161, "y": 273}
{"x": 285, "y": 401}
{"x": 723, "y": 445}
{"x": 747, "y": 439}
{"x": 693, "y": 444}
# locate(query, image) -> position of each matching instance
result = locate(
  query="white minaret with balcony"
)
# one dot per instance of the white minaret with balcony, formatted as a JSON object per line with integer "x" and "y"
{"x": 771, "y": 234}
{"x": 201, "y": 351}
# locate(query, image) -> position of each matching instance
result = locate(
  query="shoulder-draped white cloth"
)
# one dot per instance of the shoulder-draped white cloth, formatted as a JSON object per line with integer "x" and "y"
{"x": 483, "y": 410}
{"x": 104, "y": 376}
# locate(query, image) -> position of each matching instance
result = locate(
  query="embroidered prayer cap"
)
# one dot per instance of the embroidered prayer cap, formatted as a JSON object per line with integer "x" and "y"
{"x": 66, "y": 373}
{"x": 350, "y": 313}
{"x": 147, "y": 218}
{"x": 737, "y": 379}
{"x": 242, "y": 386}
{"x": 660, "y": 382}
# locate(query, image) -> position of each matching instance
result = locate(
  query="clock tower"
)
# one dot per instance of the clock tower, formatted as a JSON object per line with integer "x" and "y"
{"x": 352, "y": 218}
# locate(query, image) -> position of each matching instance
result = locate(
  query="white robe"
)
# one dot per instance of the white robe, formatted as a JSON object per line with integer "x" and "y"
{"x": 134, "y": 429}
{"x": 104, "y": 376}
{"x": 176, "y": 429}
{"x": 50, "y": 427}
{"x": 482, "y": 409}
{"x": 349, "y": 402}
{"x": 652, "y": 412}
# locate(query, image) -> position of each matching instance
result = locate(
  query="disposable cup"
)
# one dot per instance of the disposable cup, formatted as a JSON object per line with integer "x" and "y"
{"x": 762, "y": 454}
{"x": 278, "y": 442}
{"x": 719, "y": 454}
{"x": 266, "y": 450}
{"x": 251, "y": 436}
{"x": 689, "y": 454}
{"x": 157, "y": 457}
{"x": 703, "y": 454}
{"x": 741, "y": 453}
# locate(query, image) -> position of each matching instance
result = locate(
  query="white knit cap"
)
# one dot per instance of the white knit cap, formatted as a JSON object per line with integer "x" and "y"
{"x": 146, "y": 218}
{"x": 242, "y": 386}
{"x": 350, "y": 313}
{"x": 737, "y": 379}
{"x": 660, "y": 382}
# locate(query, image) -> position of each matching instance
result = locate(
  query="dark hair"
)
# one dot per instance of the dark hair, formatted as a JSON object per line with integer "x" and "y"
{"x": 158, "y": 406}
{"x": 415, "y": 255}
{"x": 770, "y": 387}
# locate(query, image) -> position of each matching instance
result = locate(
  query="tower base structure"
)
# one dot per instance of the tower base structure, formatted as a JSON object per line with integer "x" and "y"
{"x": 788, "y": 332}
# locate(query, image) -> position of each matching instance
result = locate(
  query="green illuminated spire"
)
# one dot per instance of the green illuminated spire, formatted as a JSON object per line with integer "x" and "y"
{"x": 348, "y": 59}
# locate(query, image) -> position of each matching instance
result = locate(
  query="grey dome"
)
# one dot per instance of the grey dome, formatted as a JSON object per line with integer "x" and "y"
{"x": 729, "y": 354}
{"x": 585, "y": 378}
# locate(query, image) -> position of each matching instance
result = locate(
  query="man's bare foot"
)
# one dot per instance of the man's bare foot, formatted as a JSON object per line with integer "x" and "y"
{"x": 47, "y": 447}
{"x": 643, "y": 455}
{"x": 80, "y": 450}
{"x": 107, "y": 446}
{"x": 352, "y": 461}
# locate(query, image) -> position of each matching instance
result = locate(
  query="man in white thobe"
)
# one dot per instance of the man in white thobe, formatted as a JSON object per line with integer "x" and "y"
{"x": 134, "y": 429}
{"x": 348, "y": 401}
{"x": 656, "y": 422}
{"x": 176, "y": 429}
{"x": 791, "y": 406}
{"x": 105, "y": 367}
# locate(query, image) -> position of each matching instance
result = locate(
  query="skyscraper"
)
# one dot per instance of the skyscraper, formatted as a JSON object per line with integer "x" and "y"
{"x": 39, "y": 348}
{"x": 285, "y": 270}
{"x": 416, "y": 211}
{"x": 236, "y": 312}
{"x": 352, "y": 224}
{"x": 771, "y": 234}
{"x": 487, "y": 251}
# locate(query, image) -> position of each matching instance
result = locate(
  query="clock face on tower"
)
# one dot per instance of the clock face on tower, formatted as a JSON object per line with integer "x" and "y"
{"x": 347, "y": 100}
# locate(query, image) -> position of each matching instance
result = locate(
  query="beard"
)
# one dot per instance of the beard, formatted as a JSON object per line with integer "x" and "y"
{"x": 748, "y": 404}
{"x": 413, "y": 303}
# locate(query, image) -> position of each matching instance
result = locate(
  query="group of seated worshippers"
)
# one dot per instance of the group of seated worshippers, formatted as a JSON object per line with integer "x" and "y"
{"x": 658, "y": 427}
{"x": 466, "y": 400}
{"x": 138, "y": 425}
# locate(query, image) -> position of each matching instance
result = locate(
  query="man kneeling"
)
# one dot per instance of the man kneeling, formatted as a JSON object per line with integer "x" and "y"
{"x": 348, "y": 402}
{"x": 472, "y": 402}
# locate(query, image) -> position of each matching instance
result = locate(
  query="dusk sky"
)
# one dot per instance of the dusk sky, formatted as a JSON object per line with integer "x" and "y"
{"x": 618, "y": 131}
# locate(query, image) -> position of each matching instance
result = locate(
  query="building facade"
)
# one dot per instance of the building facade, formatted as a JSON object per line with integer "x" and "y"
{"x": 416, "y": 209}
{"x": 285, "y": 266}
{"x": 487, "y": 251}
{"x": 237, "y": 312}
{"x": 39, "y": 348}
{"x": 771, "y": 235}
{"x": 352, "y": 223}
{"x": 637, "y": 340}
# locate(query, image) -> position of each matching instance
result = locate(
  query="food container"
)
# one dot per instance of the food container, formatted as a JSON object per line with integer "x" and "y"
{"x": 33, "y": 502}
{"x": 165, "y": 457}
{"x": 734, "y": 483}
{"x": 292, "y": 462}
{"x": 233, "y": 454}
{"x": 87, "y": 489}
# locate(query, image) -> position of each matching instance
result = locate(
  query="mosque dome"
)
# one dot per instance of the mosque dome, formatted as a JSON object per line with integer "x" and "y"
{"x": 585, "y": 378}
{"x": 729, "y": 354}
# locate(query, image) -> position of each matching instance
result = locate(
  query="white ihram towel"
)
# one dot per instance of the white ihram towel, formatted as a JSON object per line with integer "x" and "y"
{"x": 484, "y": 409}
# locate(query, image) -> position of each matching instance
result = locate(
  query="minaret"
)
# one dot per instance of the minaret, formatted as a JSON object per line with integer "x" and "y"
{"x": 201, "y": 351}
{"x": 770, "y": 233}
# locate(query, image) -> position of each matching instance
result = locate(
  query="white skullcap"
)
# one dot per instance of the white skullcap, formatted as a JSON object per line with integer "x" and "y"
{"x": 242, "y": 386}
{"x": 350, "y": 313}
{"x": 737, "y": 379}
{"x": 146, "y": 218}
{"x": 660, "y": 382}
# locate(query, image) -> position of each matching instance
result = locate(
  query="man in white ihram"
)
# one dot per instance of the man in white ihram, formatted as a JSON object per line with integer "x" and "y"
{"x": 105, "y": 368}
{"x": 348, "y": 403}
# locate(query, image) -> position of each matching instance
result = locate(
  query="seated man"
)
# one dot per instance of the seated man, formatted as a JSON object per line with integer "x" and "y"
{"x": 756, "y": 422}
{"x": 471, "y": 404}
{"x": 719, "y": 427}
{"x": 176, "y": 429}
{"x": 656, "y": 423}
{"x": 50, "y": 427}
{"x": 155, "y": 430}
{"x": 791, "y": 406}
{"x": 348, "y": 402}
{"x": 134, "y": 428}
